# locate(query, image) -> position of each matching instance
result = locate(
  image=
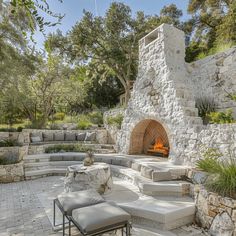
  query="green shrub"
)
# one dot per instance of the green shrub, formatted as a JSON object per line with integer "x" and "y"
{"x": 221, "y": 174}
{"x": 115, "y": 120}
{"x": 205, "y": 106}
{"x": 59, "y": 116}
{"x": 54, "y": 126}
{"x": 9, "y": 143}
{"x": 9, "y": 159}
{"x": 8, "y": 130}
{"x": 96, "y": 117}
{"x": 19, "y": 129}
{"x": 221, "y": 117}
{"x": 67, "y": 148}
{"x": 84, "y": 122}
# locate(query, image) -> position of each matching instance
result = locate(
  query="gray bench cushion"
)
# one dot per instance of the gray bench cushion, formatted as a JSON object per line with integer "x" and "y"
{"x": 70, "y": 137}
{"x": 74, "y": 200}
{"x": 36, "y": 137}
{"x": 48, "y": 137}
{"x": 98, "y": 216}
{"x": 59, "y": 136}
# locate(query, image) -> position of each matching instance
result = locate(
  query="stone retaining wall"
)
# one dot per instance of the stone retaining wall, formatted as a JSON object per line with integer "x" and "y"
{"x": 112, "y": 130}
{"x": 220, "y": 136}
{"x": 216, "y": 213}
{"x": 214, "y": 77}
{"x": 15, "y": 151}
{"x": 7, "y": 135}
{"x": 11, "y": 173}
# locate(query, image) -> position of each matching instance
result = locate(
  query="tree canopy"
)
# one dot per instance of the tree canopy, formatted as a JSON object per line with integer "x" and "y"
{"x": 109, "y": 44}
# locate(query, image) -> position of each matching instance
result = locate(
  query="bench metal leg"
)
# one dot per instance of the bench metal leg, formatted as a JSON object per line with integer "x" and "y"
{"x": 69, "y": 228}
{"x": 63, "y": 225}
{"x": 128, "y": 229}
{"x": 54, "y": 213}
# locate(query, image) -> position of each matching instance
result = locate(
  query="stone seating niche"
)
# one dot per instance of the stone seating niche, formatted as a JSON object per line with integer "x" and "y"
{"x": 39, "y": 137}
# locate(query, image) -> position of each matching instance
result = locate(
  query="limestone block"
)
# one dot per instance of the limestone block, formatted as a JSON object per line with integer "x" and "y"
{"x": 161, "y": 175}
{"x": 214, "y": 199}
{"x": 228, "y": 202}
{"x": 222, "y": 225}
{"x": 136, "y": 166}
{"x": 146, "y": 172}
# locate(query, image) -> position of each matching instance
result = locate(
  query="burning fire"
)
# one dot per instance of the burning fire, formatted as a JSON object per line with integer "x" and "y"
{"x": 159, "y": 147}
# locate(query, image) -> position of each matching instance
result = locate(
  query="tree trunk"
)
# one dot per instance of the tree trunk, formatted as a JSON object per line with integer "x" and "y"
{"x": 127, "y": 92}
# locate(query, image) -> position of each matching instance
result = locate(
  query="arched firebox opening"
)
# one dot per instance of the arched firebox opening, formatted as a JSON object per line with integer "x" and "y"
{"x": 149, "y": 137}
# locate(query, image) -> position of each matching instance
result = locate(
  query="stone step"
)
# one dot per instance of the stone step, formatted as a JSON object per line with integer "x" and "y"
{"x": 164, "y": 214}
{"x": 186, "y": 103}
{"x": 148, "y": 187}
{"x": 34, "y": 174}
{"x": 164, "y": 188}
{"x": 45, "y": 165}
{"x": 104, "y": 151}
{"x": 193, "y": 120}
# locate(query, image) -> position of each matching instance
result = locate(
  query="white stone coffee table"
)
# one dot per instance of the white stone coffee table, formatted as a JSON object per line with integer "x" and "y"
{"x": 80, "y": 177}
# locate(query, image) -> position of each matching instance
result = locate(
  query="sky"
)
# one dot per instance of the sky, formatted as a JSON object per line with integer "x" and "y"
{"x": 73, "y": 10}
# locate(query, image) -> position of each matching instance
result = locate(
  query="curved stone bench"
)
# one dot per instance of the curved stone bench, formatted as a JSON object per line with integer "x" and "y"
{"x": 122, "y": 167}
{"x": 154, "y": 212}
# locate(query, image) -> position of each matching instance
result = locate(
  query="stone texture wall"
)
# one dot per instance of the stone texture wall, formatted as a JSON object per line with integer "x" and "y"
{"x": 15, "y": 151}
{"x": 166, "y": 89}
{"x": 7, "y": 135}
{"x": 216, "y": 213}
{"x": 220, "y": 136}
{"x": 214, "y": 77}
{"x": 11, "y": 173}
{"x": 112, "y": 130}
{"x": 161, "y": 93}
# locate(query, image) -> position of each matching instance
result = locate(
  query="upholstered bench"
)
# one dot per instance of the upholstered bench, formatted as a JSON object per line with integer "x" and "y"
{"x": 67, "y": 202}
{"x": 100, "y": 218}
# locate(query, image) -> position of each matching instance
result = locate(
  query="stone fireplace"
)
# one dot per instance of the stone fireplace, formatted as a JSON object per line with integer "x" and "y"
{"x": 162, "y": 113}
{"x": 149, "y": 137}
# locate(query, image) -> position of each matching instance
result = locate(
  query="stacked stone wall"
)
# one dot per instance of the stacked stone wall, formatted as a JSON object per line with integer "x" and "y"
{"x": 214, "y": 78}
{"x": 215, "y": 213}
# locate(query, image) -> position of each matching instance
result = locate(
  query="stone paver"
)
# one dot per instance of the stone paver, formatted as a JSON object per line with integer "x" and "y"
{"x": 22, "y": 214}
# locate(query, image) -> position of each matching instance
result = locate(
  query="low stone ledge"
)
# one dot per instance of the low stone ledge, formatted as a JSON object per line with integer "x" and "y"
{"x": 11, "y": 173}
{"x": 214, "y": 212}
{"x": 17, "y": 151}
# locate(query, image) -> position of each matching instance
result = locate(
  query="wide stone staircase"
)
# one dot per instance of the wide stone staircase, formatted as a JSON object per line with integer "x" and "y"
{"x": 154, "y": 192}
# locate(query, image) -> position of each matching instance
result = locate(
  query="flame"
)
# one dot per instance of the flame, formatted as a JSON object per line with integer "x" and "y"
{"x": 159, "y": 147}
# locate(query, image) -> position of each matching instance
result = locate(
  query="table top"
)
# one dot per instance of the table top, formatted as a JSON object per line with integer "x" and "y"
{"x": 81, "y": 168}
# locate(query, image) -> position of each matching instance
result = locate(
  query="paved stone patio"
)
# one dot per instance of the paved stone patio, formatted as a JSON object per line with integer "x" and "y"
{"x": 22, "y": 214}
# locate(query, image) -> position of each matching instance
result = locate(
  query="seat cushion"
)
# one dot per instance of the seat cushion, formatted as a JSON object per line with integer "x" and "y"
{"x": 96, "y": 217}
{"x": 36, "y": 137}
{"x": 81, "y": 136}
{"x": 74, "y": 200}
{"x": 47, "y": 137}
{"x": 90, "y": 136}
{"x": 70, "y": 137}
{"x": 59, "y": 136}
